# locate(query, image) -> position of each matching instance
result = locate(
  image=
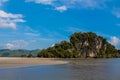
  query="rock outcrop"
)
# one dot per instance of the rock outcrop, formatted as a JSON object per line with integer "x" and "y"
{"x": 81, "y": 45}
{"x": 90, "y": 45}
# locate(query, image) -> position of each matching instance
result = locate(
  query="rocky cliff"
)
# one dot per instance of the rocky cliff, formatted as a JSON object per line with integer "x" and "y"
{"x": 90, "y": 45}
{"x": 81, "y": 45}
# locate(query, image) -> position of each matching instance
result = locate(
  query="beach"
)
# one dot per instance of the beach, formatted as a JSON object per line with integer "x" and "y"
{"x": 19, "y": 62}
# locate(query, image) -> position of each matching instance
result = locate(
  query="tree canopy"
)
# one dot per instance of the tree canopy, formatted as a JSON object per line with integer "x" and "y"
{"x": 86, "y": 44}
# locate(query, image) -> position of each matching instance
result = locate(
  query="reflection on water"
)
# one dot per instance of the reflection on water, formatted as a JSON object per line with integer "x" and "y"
{"x": 90, "y": 69}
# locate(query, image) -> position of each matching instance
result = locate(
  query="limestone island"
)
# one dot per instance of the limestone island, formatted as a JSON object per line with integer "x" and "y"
{"x": 81, "y": 45}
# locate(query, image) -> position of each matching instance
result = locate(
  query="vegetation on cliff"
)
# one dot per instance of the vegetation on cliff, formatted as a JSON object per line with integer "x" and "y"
{"x": 81, "y": 45}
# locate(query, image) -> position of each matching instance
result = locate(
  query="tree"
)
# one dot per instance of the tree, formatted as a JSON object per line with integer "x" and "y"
{"x": 30, "y": 55}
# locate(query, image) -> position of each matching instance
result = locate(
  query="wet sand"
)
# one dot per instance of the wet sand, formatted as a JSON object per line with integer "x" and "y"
{"x": 19, "y": 62}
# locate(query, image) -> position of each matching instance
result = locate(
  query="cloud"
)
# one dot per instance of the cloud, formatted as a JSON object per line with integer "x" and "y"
{"x": 91, "y": 4}
{"x": 17, "y": 44}
{"x": 68, "y": 4}
{"x": 115, "y": 41}
{"x": 32, "y": 34}
{"x": 52, "y": 45}
{"x": 29, "y": 30}
{"x": 9, "y": 20}
{"x": 9, "y": 46}
{"x": 2, "y": 1}
{"x": 116, "y": 12}
{"x": 46, "y": 2}
{"x": 61, "y": 8}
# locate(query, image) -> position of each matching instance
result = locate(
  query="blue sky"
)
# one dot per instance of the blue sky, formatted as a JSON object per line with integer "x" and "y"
{"x": 38, "y": 24}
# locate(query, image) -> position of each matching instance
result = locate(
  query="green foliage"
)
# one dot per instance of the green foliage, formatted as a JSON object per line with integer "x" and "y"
{"x": 5, "y": 54}
{"x": 110, "y": 51}
{"x": 30, "y": 55}
{"x": 17, "y": 53}
{"x": 23, "y": 55}
{"x": 81, "y": 45}
{"x": 60, "y": 50}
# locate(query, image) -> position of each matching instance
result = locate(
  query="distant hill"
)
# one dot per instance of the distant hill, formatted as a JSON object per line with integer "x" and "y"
{"x": 84, "y": 45}
{"x": 18, "y": 53}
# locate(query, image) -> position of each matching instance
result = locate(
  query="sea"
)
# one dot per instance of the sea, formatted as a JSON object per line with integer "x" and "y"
{"x": 77, "y": 69}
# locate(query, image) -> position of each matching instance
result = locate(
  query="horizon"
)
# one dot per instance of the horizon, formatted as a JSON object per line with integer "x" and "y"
{"x": 38, "y": 24}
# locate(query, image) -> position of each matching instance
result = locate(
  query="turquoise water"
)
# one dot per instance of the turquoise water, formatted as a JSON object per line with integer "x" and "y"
{"x": 90, "y": 69}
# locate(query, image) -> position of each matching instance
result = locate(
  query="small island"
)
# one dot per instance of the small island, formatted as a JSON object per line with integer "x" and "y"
{"x": 81, "y": 45}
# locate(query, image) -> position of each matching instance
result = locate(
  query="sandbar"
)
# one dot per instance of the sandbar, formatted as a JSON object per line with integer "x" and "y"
{"x": 19, "y": 62}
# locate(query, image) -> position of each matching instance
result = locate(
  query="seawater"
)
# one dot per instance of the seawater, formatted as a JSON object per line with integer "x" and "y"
{"x": 83, "y": 69}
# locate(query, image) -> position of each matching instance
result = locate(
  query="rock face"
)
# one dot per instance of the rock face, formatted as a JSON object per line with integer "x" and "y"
{"x": 81, "y": 45}
{"x": 90, "y": 45}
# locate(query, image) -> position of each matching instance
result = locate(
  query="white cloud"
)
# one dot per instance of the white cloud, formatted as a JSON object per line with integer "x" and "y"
{"x": 30, "y": 30}
{"x": 91, "y": 4}
{"x": 68, "y": 4}
{"x": 61, "y": 8}
{"x": 17, "y": 44}
{"x": 52, "y": 45}
{"x": 9, "y": 20}
{"x": 46, "y": 2}
{"x": 2, "y": 1}
{"x": 32, "y": 34}
{"x": 115, "y": 41}
{"x": 9, "y": 15}
{"x": 116, "y": 12}
{"x": 9, "y": 46}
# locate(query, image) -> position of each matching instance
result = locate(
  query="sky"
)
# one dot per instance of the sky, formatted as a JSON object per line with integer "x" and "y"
{"x": 38, "y": 24}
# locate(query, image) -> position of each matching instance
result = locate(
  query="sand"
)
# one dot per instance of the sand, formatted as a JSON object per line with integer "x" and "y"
{"x": 19, "y": 62}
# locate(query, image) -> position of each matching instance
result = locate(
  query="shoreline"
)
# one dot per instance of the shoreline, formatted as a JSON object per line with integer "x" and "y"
{"x": 26, "y": 62}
